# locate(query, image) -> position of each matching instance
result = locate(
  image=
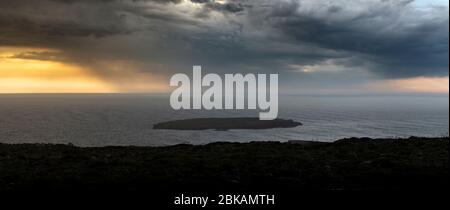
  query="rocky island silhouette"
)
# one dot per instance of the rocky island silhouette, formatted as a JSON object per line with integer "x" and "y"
{"x": 224, "y": 124}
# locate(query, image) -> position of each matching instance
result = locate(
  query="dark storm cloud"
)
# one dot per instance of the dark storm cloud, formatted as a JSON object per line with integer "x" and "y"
{"x": 33, "y": 23}
{"x": 21, "y": 28}
{"x": 227, "y": 7}
{"x": 399, "y": 42}
{"x": 389, "y": 38}
{"x": 211, "y": 4}
{"x": 108, "y": 1}
{"x": 24, "y": 20}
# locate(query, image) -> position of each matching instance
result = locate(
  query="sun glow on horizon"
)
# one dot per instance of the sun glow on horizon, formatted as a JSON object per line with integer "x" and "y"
{"x": 28, "y": 75}
{"x": 414, "y": 85}
{"x": 19, "y": 75}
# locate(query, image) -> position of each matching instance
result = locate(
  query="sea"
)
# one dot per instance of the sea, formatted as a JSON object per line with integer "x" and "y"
{"x": 94, "y": 120}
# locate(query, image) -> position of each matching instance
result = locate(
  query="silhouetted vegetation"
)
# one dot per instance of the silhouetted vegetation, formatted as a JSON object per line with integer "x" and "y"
{"x": 349, "y": 164}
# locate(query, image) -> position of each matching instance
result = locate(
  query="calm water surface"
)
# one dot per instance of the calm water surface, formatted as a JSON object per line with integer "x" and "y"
{"x": 114, "y": 119}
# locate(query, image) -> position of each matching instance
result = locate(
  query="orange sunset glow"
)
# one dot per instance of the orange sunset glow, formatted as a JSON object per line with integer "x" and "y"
{"x": 414, "y": 85}
{"x": 36, "y": 76}
{"x": 19, "y": 75}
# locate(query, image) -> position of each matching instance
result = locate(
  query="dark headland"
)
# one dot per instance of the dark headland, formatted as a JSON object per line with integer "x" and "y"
{"x": 225, "y": 124}
{"x": 345, "y": 165}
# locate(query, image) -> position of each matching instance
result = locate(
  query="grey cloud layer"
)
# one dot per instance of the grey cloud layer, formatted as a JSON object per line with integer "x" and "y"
{"x": 396, "y": 37}
{"x": 388, "y": 38}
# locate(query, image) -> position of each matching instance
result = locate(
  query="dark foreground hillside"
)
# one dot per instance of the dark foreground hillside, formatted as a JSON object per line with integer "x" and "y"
{"x": 350, "y": 165}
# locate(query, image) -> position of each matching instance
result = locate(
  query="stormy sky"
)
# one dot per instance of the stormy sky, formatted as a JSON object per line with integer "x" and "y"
{"x": 317, "y": 46}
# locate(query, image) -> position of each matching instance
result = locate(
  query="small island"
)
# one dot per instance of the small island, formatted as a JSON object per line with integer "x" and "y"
{"x": 224, "y": 124}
